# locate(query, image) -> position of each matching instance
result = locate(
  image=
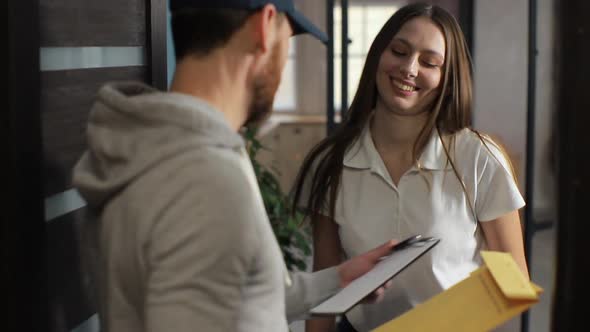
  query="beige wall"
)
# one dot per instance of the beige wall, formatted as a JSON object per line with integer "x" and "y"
{"x": 545, "y": 191}
{"x": 500, "y": 57}
{"x": 311, "y": 67}
{"x": 289, "y": 143}
{"x": 501, "y": 69}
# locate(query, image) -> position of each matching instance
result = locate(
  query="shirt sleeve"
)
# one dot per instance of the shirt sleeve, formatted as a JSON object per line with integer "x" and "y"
{"x": 497, "y": 191}
{"x": 308, "y": 290}
{"x": 199, "y": 254}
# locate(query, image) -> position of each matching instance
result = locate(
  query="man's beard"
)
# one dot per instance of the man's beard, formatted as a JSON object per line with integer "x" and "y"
{"x": 264, "y": 88}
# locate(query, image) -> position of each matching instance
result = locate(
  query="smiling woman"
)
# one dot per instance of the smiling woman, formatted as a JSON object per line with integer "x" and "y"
{"x": 410, "y": 71}
{"x": 405, "y": 161}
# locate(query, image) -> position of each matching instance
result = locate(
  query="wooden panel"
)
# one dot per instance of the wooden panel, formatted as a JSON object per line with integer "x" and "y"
{"x": 66, "y": 99}
{"x": 71, "y": 292}
{"x": 93, "y": 23}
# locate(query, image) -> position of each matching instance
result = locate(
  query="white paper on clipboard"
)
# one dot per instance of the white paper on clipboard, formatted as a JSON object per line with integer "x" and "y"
{"x": 385, "y": 270}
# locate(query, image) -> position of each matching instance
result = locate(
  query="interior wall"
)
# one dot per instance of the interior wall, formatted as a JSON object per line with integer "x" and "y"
{"x": 500, "y": 74}
{"x": 288, "y": 144}
{"x": 545, "y": 191}
{"x": 501, "y": 69}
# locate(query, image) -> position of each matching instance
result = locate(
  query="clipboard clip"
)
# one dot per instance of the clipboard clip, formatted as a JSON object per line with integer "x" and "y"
{"x": 413, "y": 241}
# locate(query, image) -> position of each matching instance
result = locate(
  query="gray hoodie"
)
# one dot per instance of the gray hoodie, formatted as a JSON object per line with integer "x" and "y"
{"x": 181, "y": 237}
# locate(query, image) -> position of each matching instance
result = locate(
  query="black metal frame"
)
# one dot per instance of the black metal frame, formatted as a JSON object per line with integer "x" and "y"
{"x": 572, "y": 290}
{"x": 466, "y": 21}
{"x": 530, "y": 226}
{"x": 330, "y": 124}
{"x": 344, "y": 68}
{"x": 23, "y": 271}
{"x": 156, "y": 25}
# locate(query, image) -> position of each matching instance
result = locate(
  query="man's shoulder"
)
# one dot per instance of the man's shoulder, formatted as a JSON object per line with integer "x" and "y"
{"x": 210, "y": 185}
{"x": 198, "y": 171}
{"x": 217, "y": 163}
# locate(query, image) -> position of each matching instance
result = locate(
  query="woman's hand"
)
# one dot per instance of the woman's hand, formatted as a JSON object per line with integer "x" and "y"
{"x": 361, "y": 264}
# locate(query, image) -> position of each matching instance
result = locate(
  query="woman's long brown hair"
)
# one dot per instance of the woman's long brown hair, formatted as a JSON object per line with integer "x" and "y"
{"x": 450, "y": 113}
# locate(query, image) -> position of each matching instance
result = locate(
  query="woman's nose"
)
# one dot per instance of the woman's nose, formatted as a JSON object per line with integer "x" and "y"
{"x": 410, "y": 68}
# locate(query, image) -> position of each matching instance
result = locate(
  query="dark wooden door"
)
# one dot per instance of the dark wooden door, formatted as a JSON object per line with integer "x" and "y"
{"x": 60, "y": 53}
{"x": 572, "y": 290}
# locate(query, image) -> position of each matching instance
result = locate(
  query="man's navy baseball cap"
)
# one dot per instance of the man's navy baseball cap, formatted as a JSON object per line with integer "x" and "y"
{"x": 299, "y": 22}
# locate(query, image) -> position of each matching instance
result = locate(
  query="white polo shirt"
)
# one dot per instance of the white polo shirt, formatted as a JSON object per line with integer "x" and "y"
{"x": 370, "y": 210}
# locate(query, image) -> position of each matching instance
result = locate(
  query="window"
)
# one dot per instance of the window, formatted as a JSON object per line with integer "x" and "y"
{"x": 286, "y": 97}
{"x": 364, "y": 23}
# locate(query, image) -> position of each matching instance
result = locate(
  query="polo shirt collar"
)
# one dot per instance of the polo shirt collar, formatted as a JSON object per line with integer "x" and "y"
{"x": 363, "y": 155}
{"x": 434, "y": 157}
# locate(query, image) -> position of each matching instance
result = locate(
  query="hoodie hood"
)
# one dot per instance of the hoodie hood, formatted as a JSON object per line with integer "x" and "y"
{"x": 133, "y": 128}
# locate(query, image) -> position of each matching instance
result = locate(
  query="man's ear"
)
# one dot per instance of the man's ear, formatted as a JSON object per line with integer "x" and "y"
{"x": 265, "y": 27}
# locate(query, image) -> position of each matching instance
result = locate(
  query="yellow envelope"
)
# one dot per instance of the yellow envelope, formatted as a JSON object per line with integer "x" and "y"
{"x": 490, "y": 296}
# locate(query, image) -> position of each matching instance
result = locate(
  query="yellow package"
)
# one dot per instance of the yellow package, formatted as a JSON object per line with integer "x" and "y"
{"x": 490, "y": 296}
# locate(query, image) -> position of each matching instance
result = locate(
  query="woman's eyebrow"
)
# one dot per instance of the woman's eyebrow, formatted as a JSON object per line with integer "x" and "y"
{"x": 407, "y": 43}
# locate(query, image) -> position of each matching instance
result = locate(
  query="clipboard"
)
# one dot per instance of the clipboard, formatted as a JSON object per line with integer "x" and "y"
{"x": 403, "y": 255}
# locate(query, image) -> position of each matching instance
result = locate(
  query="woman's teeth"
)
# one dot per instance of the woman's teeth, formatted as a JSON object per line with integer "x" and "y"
{"x": 404, "y": 87}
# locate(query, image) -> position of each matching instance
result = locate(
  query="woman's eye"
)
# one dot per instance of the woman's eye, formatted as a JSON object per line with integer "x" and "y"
{"x": 429, "y": 64}
{"x": 398, "y": 52}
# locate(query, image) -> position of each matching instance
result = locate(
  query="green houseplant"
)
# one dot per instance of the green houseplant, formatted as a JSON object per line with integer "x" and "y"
{"x": 288, "y": 227}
